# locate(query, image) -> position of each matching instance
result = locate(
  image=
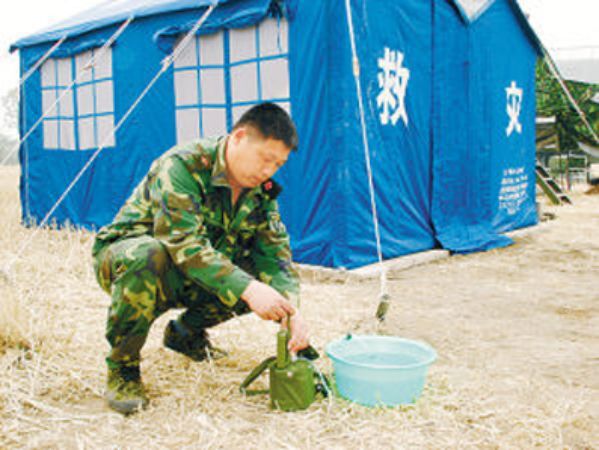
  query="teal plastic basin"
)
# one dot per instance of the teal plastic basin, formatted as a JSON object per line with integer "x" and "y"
{"x": 380, "y": 370}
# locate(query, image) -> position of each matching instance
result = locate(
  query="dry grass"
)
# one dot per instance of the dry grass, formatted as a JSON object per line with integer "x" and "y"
{"x": 515, "y": 329}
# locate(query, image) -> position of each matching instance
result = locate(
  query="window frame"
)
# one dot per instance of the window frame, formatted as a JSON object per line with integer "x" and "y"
{"x": 78, "y": 81}
{"x": 227, "y": 67}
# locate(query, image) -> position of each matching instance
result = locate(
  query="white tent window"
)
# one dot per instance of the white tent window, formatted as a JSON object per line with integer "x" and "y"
{"x": 218, "y": 77}
{"x": 84, "y": 117}
{"x": 95, "y": 100}
{"x": 200, "y": 93}
{"x": 58, "y": 120}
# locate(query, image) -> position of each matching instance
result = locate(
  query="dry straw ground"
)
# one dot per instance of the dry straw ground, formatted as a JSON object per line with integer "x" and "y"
{"x": 516, "y": 331}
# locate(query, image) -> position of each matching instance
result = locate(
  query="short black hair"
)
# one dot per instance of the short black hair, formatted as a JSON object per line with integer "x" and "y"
{"x": 272, "y": 122}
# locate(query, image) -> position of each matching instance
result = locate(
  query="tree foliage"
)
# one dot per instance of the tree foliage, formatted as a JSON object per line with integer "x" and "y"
{"x": 552, "y": 101}
{"x": 9, "y": 103}
{"x": 7, "y": 144}
{"x": 10, "y": 109}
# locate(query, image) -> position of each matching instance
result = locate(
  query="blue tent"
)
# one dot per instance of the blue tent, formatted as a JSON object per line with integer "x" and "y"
{"x": 449, "y": 107}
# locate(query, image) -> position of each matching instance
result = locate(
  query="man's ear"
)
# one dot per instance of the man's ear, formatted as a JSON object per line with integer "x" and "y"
{"x": 238, "y": 134}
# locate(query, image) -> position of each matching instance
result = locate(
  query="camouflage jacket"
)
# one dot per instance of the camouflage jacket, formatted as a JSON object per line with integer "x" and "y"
{"x": 185, "y": 202}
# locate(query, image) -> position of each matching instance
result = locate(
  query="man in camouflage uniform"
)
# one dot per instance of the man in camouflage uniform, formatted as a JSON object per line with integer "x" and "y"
{"x": 201, "y": 231}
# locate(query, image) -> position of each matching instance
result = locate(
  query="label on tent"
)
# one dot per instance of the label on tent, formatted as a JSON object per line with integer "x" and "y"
{"x": 393, "y": 80}
{"x": 514, "y": 185}
{"x": 514, "y": 106}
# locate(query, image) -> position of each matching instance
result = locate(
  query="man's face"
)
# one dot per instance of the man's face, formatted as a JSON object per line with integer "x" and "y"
{"x": 251, "y": 159}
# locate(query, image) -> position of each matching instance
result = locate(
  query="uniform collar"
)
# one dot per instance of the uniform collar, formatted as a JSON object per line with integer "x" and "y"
{"x": 219, "y": 169}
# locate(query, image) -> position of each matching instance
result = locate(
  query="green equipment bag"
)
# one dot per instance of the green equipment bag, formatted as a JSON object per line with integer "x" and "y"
{"x": 293, "y": 384}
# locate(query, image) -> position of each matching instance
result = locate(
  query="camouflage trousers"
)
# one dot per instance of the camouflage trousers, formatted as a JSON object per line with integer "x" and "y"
{"x": 143, "y": 282}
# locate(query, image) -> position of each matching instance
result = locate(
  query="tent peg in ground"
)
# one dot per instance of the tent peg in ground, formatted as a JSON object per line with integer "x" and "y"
{"x": 381, "y": 311}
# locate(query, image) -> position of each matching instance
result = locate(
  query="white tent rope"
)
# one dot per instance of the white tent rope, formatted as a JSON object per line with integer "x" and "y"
{"x": 165, "y": 66}
{"x": 92, "y": 61}
{"x": 555, "y": 72}
{"x": 170, "y": 59}
{"x": 375, "y": 220}
{"x": 41, "y": 61}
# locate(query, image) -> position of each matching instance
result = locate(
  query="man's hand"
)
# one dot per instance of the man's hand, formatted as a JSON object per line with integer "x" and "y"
{"x": 299, "y": 333}
{"x": 267, "y": 303}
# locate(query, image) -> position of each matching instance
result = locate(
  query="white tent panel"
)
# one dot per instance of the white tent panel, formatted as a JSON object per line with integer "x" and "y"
{"x": 273, "y": 37}
{"x": 65, "y": 105}
{"x": 243, "y": 44}
{"x": 67, "y": 134}
{"x": 274, "y": 76}
{"x": 188, "y": 56}
{"x": 48, "y": 73}
{"x": 50, "y": 134}
{"x": 103, "y": 64}
{"x": 188, "y": 127}
{"x": 104, "y": 97}
{"x": 211, "y": 50}
{"x": 82, "y": 67}
{"x": 244, "y": 83}
{"x": 64, "y": 71}
{"x": 48, "y": 99}
{"x": 214, "y": 121}
{"x": 212, "y": 86}
{"x": 186, "y": 87}
{"x": 85, "y": 99}
{"x": 86, "y": 133}
{"x": 105, "y": 126}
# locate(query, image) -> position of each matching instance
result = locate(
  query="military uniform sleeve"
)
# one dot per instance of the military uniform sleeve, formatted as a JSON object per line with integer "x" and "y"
{"x": 179, "y": 225}
{"x": 272, "y": 255}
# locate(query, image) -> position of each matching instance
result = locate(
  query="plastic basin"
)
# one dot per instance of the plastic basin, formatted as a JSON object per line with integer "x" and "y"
{"x": 380, "y": 370}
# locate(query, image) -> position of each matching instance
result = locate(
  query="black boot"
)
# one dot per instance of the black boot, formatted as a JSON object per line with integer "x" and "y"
{"x": 193, "y": 344}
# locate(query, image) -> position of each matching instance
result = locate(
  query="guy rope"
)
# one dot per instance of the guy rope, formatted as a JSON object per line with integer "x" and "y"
{"x": 166, "y": 63}
{"x": 383, "y": 295}
{"x": 69, "y": 88}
